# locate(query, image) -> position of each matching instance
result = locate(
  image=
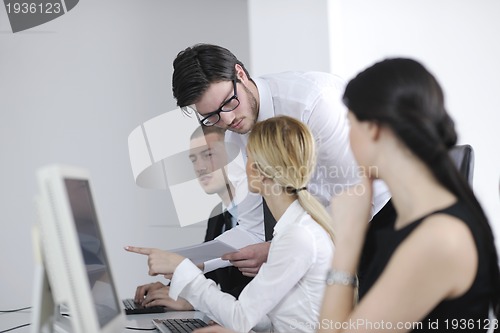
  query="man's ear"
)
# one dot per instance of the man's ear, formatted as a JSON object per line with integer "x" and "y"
{"x": 240, "y": 73}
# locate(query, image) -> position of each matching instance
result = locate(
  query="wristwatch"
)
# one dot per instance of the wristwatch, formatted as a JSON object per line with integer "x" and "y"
{"x": 341, "y": 278}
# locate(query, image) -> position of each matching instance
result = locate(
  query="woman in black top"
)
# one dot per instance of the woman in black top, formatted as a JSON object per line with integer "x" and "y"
{"x": 435, "y": 267}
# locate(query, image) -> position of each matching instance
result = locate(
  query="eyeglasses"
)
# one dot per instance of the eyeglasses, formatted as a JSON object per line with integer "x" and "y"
{"x": 229, "y": 105}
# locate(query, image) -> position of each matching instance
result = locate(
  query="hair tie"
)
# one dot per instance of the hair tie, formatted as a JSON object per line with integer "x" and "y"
{"x": 297, "y": 190}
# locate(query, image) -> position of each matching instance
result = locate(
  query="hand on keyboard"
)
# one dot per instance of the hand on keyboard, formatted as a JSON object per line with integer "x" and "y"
{"x": 131, "y": 307}
{"x": 156, "y": 294}
{"x": 141, "y": 291}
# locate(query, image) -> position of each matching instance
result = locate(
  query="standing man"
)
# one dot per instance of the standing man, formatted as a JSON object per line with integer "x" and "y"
{"x": 209, "y": 81}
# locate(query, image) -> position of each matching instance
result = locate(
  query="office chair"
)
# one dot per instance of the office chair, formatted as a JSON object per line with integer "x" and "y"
{"x": 463, "y": 157}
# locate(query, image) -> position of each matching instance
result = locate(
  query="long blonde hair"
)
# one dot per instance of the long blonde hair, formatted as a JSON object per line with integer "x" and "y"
{"x": 284, "y": 150}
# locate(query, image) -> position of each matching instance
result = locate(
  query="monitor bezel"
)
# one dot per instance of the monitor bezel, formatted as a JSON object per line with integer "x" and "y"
{"x": 62, "y": 258}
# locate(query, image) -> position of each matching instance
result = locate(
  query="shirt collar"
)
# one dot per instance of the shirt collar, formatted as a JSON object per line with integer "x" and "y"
{"x": 266, "y": 106}
{"x": 291, "y": 215}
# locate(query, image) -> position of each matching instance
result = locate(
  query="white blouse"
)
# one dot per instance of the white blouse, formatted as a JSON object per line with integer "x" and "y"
{"x": 286, "y": 294}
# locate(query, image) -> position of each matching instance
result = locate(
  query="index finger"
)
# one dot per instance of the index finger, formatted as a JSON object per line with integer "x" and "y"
{"x": 141, "y": 250}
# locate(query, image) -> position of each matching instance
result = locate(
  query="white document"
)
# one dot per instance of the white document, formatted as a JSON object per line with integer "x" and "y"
{"x": 228, "y": 242}
{"x": 206, "y": 251}
{"x": 238, "y": 238}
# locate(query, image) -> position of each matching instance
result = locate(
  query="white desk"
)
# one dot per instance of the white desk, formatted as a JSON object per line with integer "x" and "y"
{"x": 10, "y": 320}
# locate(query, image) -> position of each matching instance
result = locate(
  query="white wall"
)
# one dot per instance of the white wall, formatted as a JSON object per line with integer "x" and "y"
{"x": 71, "y": 92}
{"x": 458, "y": 42}
{"x": 288, "y": 35}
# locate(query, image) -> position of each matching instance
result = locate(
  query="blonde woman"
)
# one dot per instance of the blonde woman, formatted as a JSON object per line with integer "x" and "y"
{"x": 286, "y": 294}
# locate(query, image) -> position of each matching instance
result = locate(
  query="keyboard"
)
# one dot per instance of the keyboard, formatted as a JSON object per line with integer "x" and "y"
{"x": 178, "y": 325}
{"x": 131, "y": 307}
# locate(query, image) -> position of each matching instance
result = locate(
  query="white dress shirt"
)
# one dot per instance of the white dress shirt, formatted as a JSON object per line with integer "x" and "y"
{"x": 286, "y": 294}
{"x": 315, "y": 98}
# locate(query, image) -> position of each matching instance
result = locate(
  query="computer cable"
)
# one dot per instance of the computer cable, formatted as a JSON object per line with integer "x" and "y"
{"x": 63, "y": 314}
{"x": 15, "y": 310}
{"x": 11, "y": 311}
{"x": 15, "y": 328}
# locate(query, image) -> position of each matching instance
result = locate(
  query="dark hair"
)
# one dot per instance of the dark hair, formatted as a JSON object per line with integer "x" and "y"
{"x": 197, "y": 67}
{"x": 403, "y": 96}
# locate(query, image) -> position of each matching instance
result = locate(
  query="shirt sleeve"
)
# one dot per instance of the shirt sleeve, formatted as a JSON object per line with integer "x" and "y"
{"x": 214, "y": 264}
{"x": 336, "y": 165}
{"x": 291, "y": 256}
{"x": 329, "y": 125}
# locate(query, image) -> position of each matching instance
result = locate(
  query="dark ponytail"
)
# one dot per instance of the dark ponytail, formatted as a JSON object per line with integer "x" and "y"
{"x": 402, "y": 95}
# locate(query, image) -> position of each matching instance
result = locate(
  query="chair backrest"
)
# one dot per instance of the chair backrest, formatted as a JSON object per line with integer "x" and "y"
{"x": 463, "y": 156}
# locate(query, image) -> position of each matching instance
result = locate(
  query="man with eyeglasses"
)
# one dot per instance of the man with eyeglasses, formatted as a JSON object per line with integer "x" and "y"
{"x": 209, "y": 81}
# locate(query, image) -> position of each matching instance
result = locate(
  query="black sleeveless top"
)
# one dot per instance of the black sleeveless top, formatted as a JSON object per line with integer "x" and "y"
{"x": 467, "y": 313}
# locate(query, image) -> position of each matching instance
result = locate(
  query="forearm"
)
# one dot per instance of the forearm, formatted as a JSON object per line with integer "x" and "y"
{"x": 222, "y": 307}
{"x": 188, "y": 283}
{"x": 339, "y": 299}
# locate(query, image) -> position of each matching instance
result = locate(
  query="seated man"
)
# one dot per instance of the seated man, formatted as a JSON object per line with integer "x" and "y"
{"x": 208, "y": 156}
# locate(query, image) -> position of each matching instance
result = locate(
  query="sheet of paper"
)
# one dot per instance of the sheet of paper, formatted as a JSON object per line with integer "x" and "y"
{"x": 205, "y": 251}
{"x": 228, "y": 242}
{"x": 238, "y": 238}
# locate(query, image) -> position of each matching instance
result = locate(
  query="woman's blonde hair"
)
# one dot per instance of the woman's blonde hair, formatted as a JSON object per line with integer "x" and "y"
{"x": 283, "y": 150}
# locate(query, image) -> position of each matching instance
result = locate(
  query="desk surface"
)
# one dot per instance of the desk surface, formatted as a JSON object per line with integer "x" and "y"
{"x": 14, "y": 319}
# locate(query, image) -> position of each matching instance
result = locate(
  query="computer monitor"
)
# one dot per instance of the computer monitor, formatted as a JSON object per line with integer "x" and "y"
{"x": 74, "y": 270}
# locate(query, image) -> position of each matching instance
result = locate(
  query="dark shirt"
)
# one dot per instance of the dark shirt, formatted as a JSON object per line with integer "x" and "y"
{"x": 230, "y": 279}
{"x": 467, "y": 313}
{"x": 269, "y": 221}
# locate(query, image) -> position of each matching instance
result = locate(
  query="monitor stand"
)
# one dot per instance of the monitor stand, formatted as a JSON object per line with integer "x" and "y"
{"x": 46, "y": 316}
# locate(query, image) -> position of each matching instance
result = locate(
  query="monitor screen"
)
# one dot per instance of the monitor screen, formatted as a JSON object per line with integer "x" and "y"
{"x": 94, "y": 255}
